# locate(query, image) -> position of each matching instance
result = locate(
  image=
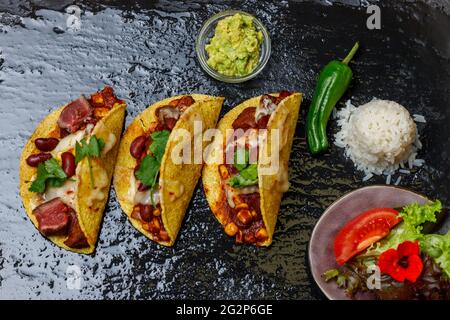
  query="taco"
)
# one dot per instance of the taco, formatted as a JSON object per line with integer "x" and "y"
{"x": 66, "y": 169}
{"x": 153, "y": 189}
{"x": 243, "y": 191}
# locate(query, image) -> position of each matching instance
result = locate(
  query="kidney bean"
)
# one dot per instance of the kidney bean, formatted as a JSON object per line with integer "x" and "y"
{"x": 46, "y": 144}
{"x": 35, "y": 159}
{"x": 138, "y": 146}
{"x": 146, "y": 211}
{"x": 68, "y": 163}
{"x": 142, "y": 187}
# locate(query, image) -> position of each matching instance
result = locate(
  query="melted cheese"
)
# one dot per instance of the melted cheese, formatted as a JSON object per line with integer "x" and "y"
{"x": 98, "y": 193}
{"x": 66, "y": 192}
{"x": 175, "y": 189}
{"x": 143, "y": 197}
{"x": 231, "y": 193}
{"x": 132, "y": 189}
{"x": 68, "y": 143}
{"x": 109, "y": 143}
{"x": 169, "y": 112}
{"x": 267, "y": 107}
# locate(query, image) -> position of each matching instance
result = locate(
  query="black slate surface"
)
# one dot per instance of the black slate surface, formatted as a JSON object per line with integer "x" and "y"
{"x": 146, "y": 52}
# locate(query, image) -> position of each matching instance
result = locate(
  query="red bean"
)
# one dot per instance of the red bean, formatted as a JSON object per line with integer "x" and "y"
{"x": 142, "y": 187}
{"x": 138, "y": 146}
{"x": 146, "y": 211}
{"x": 35, "y": 159}
{"x": 46, "y": 144}
{"x": 68, "y": 163}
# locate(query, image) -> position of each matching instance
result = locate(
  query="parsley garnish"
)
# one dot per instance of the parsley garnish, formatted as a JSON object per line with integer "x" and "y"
{"x": 93, "y": 148}
{"x": 48, "y": 173}
{"x": 149, "y": 168}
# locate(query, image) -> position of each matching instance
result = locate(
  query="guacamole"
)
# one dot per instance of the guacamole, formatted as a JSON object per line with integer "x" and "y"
{"x": 235, "y": 48}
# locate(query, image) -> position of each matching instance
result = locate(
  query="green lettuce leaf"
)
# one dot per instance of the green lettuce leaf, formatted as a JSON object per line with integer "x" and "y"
{"x": 246, "y": 177}
{"x": 241, "y": 159}
{"x": 438, "y": 247}
{"x": 414, "y": 216}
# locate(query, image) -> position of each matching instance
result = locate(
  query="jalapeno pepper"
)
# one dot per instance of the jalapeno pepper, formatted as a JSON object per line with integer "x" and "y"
{"x": 333, "y": 81}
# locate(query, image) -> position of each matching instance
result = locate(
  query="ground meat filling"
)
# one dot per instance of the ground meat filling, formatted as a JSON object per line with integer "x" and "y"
{"x": 55, "y": 217}
{"x": 167, "y": 117}
{"x": 242, "y": 217}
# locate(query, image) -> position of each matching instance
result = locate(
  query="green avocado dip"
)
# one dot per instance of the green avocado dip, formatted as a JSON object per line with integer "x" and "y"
{"x": 235, "y": 48}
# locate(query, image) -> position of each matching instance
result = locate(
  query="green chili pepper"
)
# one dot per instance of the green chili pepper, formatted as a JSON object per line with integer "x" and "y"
{"x": 331, "y": 86}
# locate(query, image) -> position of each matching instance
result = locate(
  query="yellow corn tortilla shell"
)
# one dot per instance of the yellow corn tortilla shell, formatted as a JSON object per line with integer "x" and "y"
{"x": 89, "y": 213}
{"x": 271, "y": 186}
{"x": 205, "y": 109}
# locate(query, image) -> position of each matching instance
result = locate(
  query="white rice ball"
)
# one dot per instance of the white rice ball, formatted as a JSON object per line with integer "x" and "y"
{"x": 378, "y": 136}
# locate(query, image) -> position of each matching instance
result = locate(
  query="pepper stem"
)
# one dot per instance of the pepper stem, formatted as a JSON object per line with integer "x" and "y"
{"x": 351, "y": 53}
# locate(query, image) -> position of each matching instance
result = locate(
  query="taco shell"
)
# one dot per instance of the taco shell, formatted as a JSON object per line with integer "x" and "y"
{"x": 271, "y": 185}
{"x": 177, "y": 181}
{"x": 89, "y": 203}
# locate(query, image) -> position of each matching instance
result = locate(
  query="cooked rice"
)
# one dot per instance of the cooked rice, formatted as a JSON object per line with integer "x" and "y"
{"x": 379, "y": 137}
{"x": 419, "y": 118}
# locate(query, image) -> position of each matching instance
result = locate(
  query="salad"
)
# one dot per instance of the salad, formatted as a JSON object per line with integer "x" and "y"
{"x": 394, "y": 254}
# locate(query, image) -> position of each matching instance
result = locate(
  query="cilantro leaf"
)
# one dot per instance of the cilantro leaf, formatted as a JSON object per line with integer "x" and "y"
{"x": 93, "y": 148}
{"x": 148, "y": 170}
{"x": 52, "y": 166}
{"x": 149, "y": 167}
{"x": 48, "y": 173}
{"x": 38, "y": 185}
{"x": 158, "y": 146}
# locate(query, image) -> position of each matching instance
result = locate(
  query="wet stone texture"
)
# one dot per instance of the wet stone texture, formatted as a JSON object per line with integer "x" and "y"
{"x": 146, "y": 52}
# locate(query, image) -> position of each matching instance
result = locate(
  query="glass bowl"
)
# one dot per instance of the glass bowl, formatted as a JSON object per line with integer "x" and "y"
{"x": 207, "y": 32}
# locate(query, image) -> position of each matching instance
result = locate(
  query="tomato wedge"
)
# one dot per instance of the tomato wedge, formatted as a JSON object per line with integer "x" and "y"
{"x": 362, "y": 231}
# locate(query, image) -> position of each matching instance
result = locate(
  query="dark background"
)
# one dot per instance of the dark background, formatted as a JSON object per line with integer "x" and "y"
{"x": 146, "y": 52}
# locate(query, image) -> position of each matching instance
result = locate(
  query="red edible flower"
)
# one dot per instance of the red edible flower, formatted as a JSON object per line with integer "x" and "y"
{"x": 403, "y": 263}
